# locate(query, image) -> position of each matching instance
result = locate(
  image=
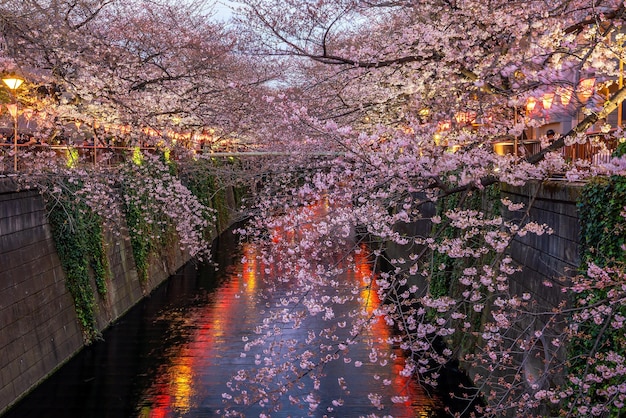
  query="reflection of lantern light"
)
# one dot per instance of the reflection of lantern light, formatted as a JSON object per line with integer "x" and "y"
{"x": 585, "y": 89}
{"x": 547, "y": 100}
{"x": 565, "y": 94}
{"x": 530, "y": 104}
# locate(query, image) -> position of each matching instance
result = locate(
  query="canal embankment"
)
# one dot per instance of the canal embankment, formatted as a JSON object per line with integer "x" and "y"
{"x": 547, "y": 262}
{"x": 39, "y": 326}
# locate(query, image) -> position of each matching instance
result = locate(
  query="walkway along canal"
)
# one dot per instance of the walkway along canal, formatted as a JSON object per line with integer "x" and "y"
{"x": 174, "y": 354}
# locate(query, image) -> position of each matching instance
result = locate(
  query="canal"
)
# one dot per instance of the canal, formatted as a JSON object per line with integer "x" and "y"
{"x": 175, "y": 355}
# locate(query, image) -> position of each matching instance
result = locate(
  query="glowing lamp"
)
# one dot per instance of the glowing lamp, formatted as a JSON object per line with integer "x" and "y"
{"x": 530, "y": 104}
{"x": 12, "y": 82}
{"x": 547, "y": 100}
{"x": 585, "y": 89}
{"x": 565, "y": 94}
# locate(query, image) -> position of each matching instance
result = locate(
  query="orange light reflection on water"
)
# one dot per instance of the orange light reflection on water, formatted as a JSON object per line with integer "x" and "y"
{"x": 250, "y": 268}
{"x": 176, "y": 388}
{"x": 418, "y": 403}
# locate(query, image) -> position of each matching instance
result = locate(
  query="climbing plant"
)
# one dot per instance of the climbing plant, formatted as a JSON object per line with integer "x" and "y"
{"x": 600, "y": 338}
{"x": 160, "y": 210}
{"x": 201, "y": 179}
{"x": 78, "y": 237}
{"x": 445, "y": 268}
{"x": 602, "y": 225}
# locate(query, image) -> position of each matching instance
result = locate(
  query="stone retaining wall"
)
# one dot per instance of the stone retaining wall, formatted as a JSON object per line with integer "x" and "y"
{"x": 39, "y": 329}
{"x": 546, "y": 258}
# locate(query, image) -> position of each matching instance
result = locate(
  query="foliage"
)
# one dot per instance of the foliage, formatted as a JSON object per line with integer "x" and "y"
{"x": 201, "y": 179}
{"x": 154, "y": 205}
{"x": 446, "y": 269}
{"x": 79, "y": 240}
{"x": 602, "y": 223}
{"x": 600, "y": 340}
{"x": 159, "y": 209}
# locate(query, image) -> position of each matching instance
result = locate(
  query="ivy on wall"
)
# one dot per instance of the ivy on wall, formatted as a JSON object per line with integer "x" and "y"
{"x": 445, "y": 270}
{"x": 159, "y": 211}
{"x": 487, "y": 201}
{"x": 201, "y": 178}
{"x": 79, "y": 240}
{"x": 603, "y": 228}
{"x": 602, "y": 237}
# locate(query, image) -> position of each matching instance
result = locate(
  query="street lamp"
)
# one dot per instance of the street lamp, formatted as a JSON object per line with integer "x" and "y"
{"x": 13, "y": 83}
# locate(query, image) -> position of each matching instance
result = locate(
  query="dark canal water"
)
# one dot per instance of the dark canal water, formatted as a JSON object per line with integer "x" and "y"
{"x": 172, "y": 356}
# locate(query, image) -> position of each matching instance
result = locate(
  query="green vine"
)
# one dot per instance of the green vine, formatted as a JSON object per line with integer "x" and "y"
{"x": 445, "y": 270}
{"x": 79, "y": 240}
{"x": 486, "y": 201}
{"x": 208, "y": 188}
{"x": 150, "y": 229}
{"x": 602, "y": 237}
{"x": 602, "y": 226}
{"x": 142, "y": 245}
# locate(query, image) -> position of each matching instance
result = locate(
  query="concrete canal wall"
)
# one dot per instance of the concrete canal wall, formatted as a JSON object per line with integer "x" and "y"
{"x": 39, "y": 328}
{"x": 546, "y": 257}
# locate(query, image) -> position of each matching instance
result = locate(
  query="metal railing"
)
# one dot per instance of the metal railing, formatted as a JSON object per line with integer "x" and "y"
{"x": 597, "y": 149}
{"x": 71, "y": 155}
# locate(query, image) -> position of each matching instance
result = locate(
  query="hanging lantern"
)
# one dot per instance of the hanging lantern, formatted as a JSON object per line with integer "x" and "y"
{"x": 565, "y": 93}
{"x": 531, "y": 102}
{"x": 585, "y": 89}
{"x": 12, "y": 108}
{"x": 547, "y": 100}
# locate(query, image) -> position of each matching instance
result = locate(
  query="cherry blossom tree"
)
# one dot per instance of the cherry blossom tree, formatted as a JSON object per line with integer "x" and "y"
{"x": 378, "y": 85}
{"x": 120, "y": 73}
{"x": 358, "y": 106}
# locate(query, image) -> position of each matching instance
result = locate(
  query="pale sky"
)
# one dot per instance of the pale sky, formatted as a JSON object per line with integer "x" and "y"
{"x": 223, "y": 9}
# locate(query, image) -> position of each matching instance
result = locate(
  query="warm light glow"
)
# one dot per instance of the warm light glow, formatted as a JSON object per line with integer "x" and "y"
{"x": 465, "y": 118}
{"x": 72, "y": 157}
{"x": 12, "y": 108}
{"x": 444, "y": 125}
{"x": 531, "y": 102}
{"x": 250, "y": 268}
{"x": 13, "y": 82}
{"x": 547, "y": 100}
{"x": 585, "y": 89}
{"x": 137, "y": 156}
{"x": 182, "y": 384}
{"x": 565, "y": 94}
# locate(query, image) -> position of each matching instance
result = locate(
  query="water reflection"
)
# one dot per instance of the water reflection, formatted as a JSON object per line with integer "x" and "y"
{"x": 174, "y": 355}
{"x": 192, "y": 381}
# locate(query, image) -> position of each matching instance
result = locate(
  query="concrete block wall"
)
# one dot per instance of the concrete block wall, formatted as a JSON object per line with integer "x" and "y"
{"x": 39, "y": 329}
{"x": 38, "y": 325}
{"x": 546, "y": 258}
